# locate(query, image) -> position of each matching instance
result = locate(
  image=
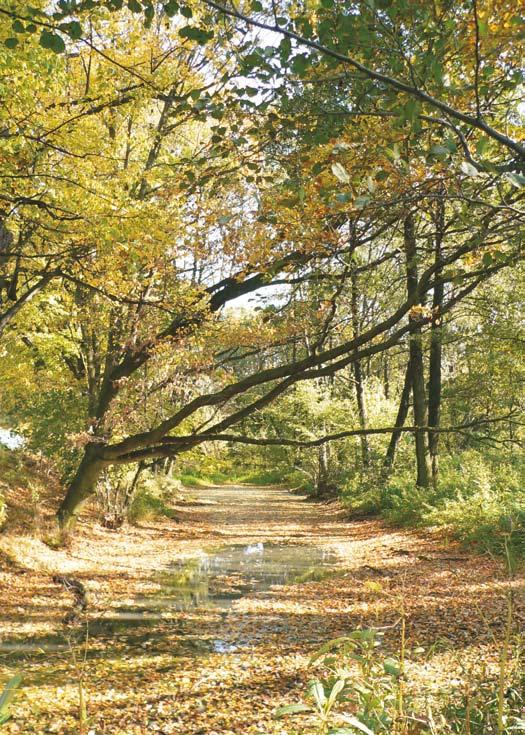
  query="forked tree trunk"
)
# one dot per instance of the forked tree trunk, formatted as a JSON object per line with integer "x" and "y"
{"x": 416, "y": 361}
{"x": 80, "y": 489}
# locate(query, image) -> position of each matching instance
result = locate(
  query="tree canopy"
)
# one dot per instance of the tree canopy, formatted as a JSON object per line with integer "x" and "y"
{"x": 356, "y": 167}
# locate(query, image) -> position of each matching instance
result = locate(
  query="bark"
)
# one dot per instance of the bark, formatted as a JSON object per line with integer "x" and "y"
{"x": 436, "y": 347}
{"x": 386, "y": 377}
{"x": 402, "y": 413}
{"x": 358, "y": 374}
{"x": 416, "y": 360}
{"x": 81, "y": 488}
{"x": 130, "y": 491}
{"x": 322, "y": 469}
{"x": 324, "y": 485}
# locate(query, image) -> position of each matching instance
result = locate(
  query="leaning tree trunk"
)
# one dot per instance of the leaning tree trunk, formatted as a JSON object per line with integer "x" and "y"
{"x": 358, "y": 375}
{"x": 81, "y": 488}
{"x": 436, "y": 346}
{"x": 416, "y": 360}
{"x": 402, "y": 413}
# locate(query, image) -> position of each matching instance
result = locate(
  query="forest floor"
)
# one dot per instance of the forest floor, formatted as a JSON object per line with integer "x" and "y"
{"x": 234, "y": 651}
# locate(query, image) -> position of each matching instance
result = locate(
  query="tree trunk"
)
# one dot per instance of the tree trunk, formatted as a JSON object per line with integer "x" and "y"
{"x": 81, "y": 489}
{"x": 322, "y": 470}
{"x": 324, "y": 485}
{"x": 130, "y": 490}
{"x": 402, "y": 414}
{"x": 386, "y": 377}
{"x": 416, "y": 360}
{"x": 436, "y": 347}
{"x": 358, "y": 375}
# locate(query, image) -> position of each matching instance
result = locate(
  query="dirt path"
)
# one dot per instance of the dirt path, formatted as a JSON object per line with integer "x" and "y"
{"x": 163, "y": 672}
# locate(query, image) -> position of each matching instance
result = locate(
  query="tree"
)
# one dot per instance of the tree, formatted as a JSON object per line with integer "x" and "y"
{"x": 205, "y": 190}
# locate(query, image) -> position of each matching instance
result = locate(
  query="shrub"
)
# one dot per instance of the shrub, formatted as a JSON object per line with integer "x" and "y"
{"x": 152, "y": 498}
{"x": 147, "y": 506}
{"x": 479, "y": 498}
{"x": 487, "y": 518}
{"x": 361, "y": 688}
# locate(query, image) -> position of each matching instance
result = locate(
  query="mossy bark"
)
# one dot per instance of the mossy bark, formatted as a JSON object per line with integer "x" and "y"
{"x": 81, "y": 488}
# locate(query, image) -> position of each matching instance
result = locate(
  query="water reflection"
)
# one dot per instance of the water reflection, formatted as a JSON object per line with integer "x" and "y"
{"x": 217, "y": 580}
{"x": 212, "y": 580}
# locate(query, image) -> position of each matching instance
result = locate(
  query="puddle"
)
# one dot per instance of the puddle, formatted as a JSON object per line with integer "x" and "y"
{"x": 212, "y": 580}
{"x": 220, "y": 578}
{"x": 217, "y": 579}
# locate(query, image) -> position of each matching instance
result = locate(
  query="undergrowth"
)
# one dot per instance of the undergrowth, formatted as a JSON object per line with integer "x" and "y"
{"x": 216, "y": 477}
{"x": 360, "y": 687}
{"x": 478, "y": 498}
{"x": 152, "y": 499}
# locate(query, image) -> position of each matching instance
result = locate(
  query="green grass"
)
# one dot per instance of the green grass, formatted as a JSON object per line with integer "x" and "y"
{"x": 257, "y": 477}
{"x": 262, "y": 477}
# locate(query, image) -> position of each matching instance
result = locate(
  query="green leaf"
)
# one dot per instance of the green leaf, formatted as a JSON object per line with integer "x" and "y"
{"x": 300, "y": 64}
{"x": 482, "y": 145}
{"x": 468, "y": 169}
{"x": 440, "y": 152}
{"x": 149, "y": 14}
{"x": 410, "y": 111}
{"x": 196, "y": 34}
{"x": 336, "y": 691}
{"x": 318, "y": 694}
{"x": 327, "y": 647}
{"x": 291, "y": 709}
{"x": 7, "y": 696}
{"x": 362, "y": 201}
{"x": 11, "y": 42}
{"x": 225, "y": 218}
{"x": 517, "y": 180}
{"x": 186, "y": 11}
{"x": 340, "y": 173}
{"x": 436, "y": 70}
{"x": 171, "y": 8}
{"x": 73, "y": 29}
{"x": 52, "y": 41}
{"x": 391, "y": 666}
{"x": 18, "y": 27}
{"x": 257, "y": 7}
{"x": 135, "y": 6}
{"x": 285, "y": 49}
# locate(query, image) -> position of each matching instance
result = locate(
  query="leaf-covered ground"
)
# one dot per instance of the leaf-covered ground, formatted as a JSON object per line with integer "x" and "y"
{"x": 161, "y": 674}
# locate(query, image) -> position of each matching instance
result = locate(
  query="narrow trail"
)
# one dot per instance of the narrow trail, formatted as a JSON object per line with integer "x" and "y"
{"x": 222, "y": 661}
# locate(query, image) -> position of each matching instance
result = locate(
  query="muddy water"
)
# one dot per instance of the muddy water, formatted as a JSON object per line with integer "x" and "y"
{"x": 211, "y": 581}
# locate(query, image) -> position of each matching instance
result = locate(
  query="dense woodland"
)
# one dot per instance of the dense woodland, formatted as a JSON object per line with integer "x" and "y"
{"x": 275, "y": 243}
